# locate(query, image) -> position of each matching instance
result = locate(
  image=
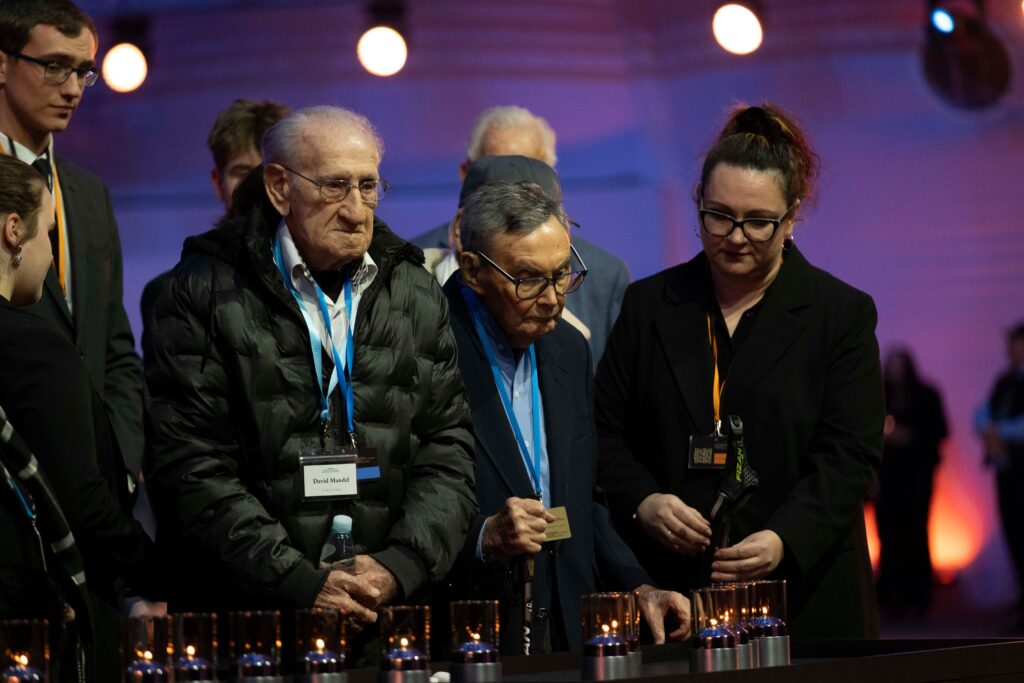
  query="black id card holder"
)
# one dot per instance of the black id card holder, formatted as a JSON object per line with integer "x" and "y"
{"x": 708, "y": 452}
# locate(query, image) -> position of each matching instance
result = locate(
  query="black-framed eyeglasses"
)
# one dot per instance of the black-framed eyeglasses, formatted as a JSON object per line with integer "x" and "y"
{"x": 532, "y": 287}
{"x": 756, "y": 229}
{"x": 336, "y": 189}
{"x": 58, "y": 73}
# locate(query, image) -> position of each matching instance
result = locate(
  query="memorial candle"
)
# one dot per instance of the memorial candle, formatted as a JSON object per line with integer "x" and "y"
{"x": 145, "y": 670}
{"x": 322, "y": 660}
{"x": 21, "y": 671}
{"x": 192, "y": 668}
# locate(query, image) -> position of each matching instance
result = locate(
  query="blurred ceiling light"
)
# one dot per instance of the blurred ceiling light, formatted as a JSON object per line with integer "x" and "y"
{"x": 382, "y": 48}
{"x": 382, "y": 51}
{"x": 964, "y": 62}
{"x": 124, "y": 68}
{"x": 737, "y": 28}
{"x": 943, "y": 21}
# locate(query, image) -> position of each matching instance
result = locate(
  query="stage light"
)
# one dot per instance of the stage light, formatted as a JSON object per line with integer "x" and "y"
{"x": 382, "y": 49}
{"x": 943, "y": 21}
{"x": 964, "y": 62}
{"x": 124, "y": 68}
{"x": 737, "y": 28}
{"x": 125, "y": 65}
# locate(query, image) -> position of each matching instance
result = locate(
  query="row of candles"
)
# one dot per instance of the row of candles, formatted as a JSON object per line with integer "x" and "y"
{"x": 739, "y": 625}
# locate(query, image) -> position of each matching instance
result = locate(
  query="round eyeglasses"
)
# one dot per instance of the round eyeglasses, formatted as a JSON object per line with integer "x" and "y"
{"x": 533, "y": 287}
{"x": 757, "y": 229}
{"x": 335, "y": 189}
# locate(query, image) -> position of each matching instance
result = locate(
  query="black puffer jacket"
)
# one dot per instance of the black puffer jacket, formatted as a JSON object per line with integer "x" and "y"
{"x": 232, "y": 393}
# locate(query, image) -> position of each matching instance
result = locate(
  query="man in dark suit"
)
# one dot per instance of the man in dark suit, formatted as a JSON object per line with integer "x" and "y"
{"x": 529, "y": 386}
{"x": 47, "y": 61}
{"x": 501, "y": 131}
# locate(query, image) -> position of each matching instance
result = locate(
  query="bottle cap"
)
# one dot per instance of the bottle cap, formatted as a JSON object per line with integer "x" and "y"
{"x": 342, "y": 524}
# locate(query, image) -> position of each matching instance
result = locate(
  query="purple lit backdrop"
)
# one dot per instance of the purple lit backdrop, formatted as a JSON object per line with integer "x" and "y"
{"x": 919, "y": 204}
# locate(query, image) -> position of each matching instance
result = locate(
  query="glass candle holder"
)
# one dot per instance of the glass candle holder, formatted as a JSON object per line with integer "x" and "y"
{"x": 632, "y": 629}
{"x": 320, "y": 641}
{"x": 606, "y": 620}
{"x": 475, "y": 631}
{"x": 405, "y": 637}
{"x": 769, "y": 608}
{"x": 709, "y": 610}
{"x": 146, "y": 649}
{"x": 255, "y": 643}
{"x": 195, "y": 646}
{"x": 26, "y": 650}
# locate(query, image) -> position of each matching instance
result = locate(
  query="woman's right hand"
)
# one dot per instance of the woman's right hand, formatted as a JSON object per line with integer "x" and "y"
{"x": 674, "y": 524}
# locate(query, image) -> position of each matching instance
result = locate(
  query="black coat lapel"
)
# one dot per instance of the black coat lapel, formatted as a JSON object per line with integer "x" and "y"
{"x": 491, "y": 427}
{"x": 76, "y": 250}
{"x": 776, "y": 327}
{"x": 681, "y": 325}
{"x": 555, "y": 395}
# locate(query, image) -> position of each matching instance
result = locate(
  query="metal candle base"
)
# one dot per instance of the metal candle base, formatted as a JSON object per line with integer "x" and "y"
{"x": 340, "y": 677}
{"x": 636, "y": 664}
{"x": 485, "y": 672}
{"x": 417, "y": 676}
{"x": 773, "y": 651}
{"x": 704, "y": 659}
{"x": 258, "y": 679}
{"x": 745, "y": 655}
{"x": 607, "y": 668}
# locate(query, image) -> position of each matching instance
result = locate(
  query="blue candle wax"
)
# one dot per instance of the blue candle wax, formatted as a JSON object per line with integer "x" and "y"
{"x": 475, "y": 652}
{"x": 322, "y": 662}
{"x": 192, "y": 668}
{"x": 145, "y": 671}
{"x": 256, "y": 664}
{"x": 402, "y": 653}
{"x": 19, "y": 673}
{"x": 767, "y": 626}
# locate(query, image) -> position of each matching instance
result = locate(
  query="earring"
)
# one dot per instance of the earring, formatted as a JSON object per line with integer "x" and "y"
{"x": 16, "y": 260}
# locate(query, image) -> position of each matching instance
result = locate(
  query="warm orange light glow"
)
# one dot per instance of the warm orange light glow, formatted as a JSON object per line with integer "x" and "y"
{"x": 23, "y": 660}
{"x": 737, "y": 29}
{"x": 124, "y": 68}
{"x": 320, "y": 644}
{"x": 190, "y": 651}
{"x": 956, "y": 530}
{"x": 404, "y": 642}
{"x": 382, "y": 51}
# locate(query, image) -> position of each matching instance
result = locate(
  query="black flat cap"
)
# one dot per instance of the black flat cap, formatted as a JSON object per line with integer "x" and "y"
{"x": 510, "y": 169}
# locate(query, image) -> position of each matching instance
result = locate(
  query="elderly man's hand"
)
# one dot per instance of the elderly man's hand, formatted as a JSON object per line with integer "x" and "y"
{"x": 517, "y": 529}
{"x": 656, "y": 604}
{"x": 755, "y": 556}
{"x": 674, "y": 524}
{"x": 379, "y": 577}
{"x": 353, "y": 596}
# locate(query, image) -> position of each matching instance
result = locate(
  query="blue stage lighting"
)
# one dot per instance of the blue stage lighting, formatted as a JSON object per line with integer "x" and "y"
{"x": 942, "y": 21}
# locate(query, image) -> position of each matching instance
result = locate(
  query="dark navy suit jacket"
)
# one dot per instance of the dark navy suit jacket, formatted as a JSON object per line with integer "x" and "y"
{"x": 595, "y": 557}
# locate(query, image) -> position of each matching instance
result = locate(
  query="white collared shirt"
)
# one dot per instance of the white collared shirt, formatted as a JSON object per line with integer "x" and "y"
{"x": 304, "y": 284}
{"x": 23, "y": 153}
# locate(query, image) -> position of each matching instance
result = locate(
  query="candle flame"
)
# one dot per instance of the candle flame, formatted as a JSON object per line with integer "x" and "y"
{"x": 604, "y": 627}
{"x": 764, "y": 610}
{"x": 147, "y": 655}
{"x": 404, "y": 642}
{"x": 475, "y": 636}
{"x": 615, "y": 624}
{"x": 190, "y": 650}
{"x": 320, "y": 644}
{"x": 23, "y": 660}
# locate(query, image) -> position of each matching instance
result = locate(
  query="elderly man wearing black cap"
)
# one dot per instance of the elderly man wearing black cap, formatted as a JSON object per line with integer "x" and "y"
{"x": 529, "y": 387}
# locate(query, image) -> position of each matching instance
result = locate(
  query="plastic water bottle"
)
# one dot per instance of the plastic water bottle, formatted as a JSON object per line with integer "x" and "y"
{"x": 339, "y": 551}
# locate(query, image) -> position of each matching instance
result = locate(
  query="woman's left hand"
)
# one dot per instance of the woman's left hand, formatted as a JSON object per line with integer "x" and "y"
{"x": 755, "y": 556}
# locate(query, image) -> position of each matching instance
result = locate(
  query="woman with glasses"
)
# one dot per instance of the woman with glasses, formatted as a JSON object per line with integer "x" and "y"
{"x": 748, "y": 329}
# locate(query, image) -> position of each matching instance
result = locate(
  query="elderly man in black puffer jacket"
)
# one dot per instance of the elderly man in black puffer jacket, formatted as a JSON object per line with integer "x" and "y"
{"x": 233, "y": 395}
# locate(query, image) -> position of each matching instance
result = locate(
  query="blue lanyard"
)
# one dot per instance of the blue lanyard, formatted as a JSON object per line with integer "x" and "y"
{"x": 314, "y": 343}
{"x": 532, "y": 465}
{"x": 29, "y": 511}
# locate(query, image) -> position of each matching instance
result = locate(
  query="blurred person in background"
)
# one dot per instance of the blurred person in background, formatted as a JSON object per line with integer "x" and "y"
{"x": 1000, "y": 424}
{"x": 914, "y": 430}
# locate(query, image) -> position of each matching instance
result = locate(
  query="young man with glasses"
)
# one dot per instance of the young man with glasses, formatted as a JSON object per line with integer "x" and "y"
{"x": 47, "y": 60}
{"x": 529, "y": 385}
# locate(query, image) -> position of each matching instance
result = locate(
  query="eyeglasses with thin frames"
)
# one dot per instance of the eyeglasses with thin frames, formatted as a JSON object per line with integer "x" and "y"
{"x": 532, "y": 287}
{"x": 336, "y": 189}
{"x": 757, "y": 229}
{"x": 58, "y": 73}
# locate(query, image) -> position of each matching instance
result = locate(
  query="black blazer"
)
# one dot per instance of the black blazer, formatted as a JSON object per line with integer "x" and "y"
{"x": 99, "y": 325}
{"x": 806, "y": 382}
{"x": 595, "y": 556}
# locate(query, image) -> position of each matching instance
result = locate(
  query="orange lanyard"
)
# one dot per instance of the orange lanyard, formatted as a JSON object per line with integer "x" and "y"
{"x": 62, "y": 233}
{"x": 717, "y": 388}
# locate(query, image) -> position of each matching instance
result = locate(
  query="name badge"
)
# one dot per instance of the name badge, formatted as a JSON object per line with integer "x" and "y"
{"x": 559, "y": 529}
{"x": 708, "y": 452}
{"x": 329, "y": 476}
